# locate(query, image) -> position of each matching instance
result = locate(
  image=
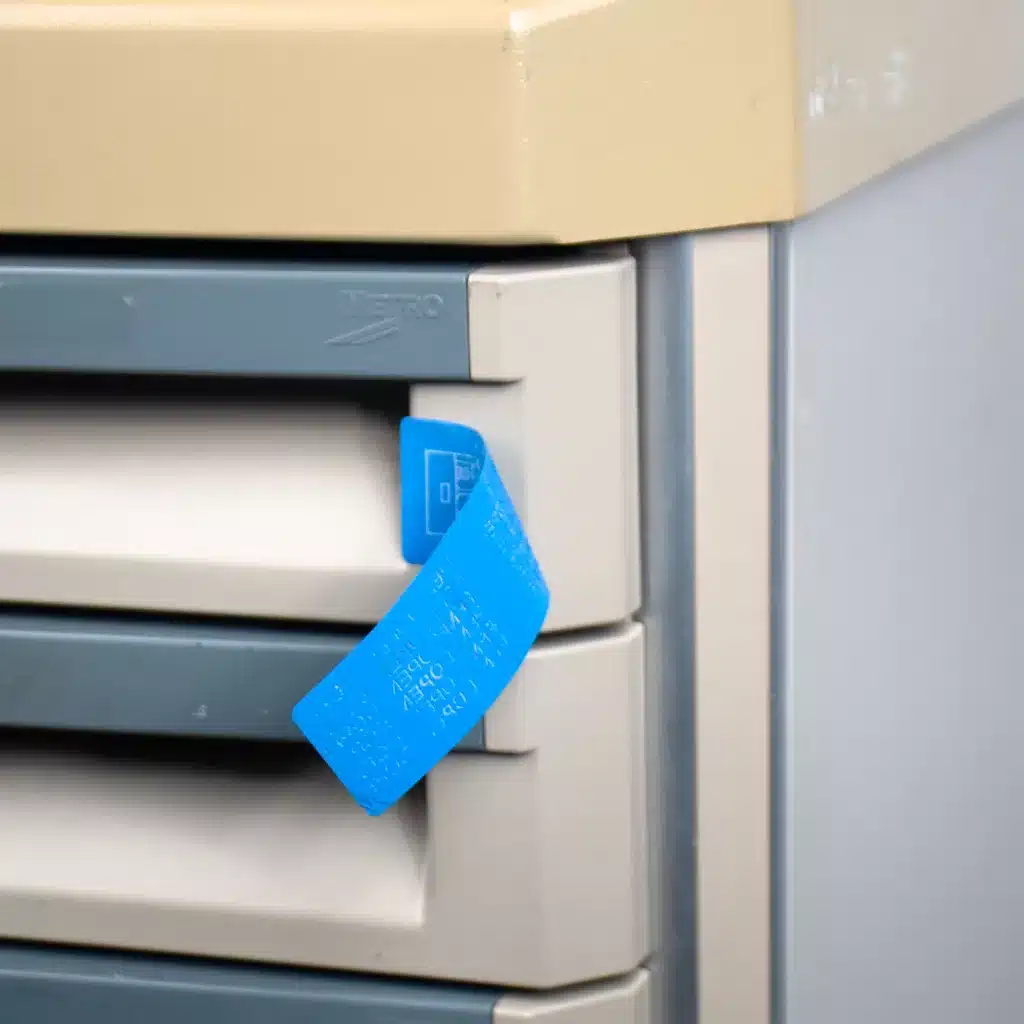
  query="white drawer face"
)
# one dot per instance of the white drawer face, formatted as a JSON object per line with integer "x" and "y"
{"x": 203, "y": 502}
{"x": 525, "y": 867}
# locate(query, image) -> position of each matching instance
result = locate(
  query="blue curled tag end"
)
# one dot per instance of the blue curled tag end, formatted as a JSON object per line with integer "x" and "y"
{"x": 427, "y": 672}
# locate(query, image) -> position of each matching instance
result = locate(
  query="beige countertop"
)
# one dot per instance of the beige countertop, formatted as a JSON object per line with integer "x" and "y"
{"x": 492, "y": 121}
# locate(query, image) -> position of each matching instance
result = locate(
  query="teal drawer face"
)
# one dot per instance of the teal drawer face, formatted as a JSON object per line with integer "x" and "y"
{"x": 86, "y": 987}
{"x": 291, "y": 319}
{"x": 104, "y": 673}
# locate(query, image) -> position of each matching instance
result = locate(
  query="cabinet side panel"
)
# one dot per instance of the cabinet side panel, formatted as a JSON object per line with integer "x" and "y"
{"x": 904, "y": 571}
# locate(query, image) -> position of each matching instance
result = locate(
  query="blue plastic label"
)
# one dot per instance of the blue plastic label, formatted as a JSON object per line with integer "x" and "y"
{"x": 427, "y": 672}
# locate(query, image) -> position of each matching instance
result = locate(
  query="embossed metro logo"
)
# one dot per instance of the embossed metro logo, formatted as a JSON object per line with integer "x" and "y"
{"x": 386, "y": 311}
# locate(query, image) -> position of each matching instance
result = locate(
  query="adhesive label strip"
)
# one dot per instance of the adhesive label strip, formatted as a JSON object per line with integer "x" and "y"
{"x": 427, "y": 672}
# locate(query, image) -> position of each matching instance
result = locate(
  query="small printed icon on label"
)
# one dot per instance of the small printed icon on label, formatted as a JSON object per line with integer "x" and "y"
{"x": 449, "y": 480}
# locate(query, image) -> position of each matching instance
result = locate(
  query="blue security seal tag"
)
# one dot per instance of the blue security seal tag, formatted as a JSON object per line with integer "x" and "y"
{"x": 427, "y": 672}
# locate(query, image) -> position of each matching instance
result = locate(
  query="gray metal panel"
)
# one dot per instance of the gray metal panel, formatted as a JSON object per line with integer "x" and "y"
{"x": 904, "y": 592}
{"x": 163, "y": 677}
{"x": 780, "y": 508}
{"x": 666, "y": 446}
{"x": 234, "y": 318}
{"x": 56, "y": 986}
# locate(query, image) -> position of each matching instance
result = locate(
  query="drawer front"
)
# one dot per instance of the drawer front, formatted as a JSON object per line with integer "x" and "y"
{"x": 148, "y": 478}
{"x": 522, "y": 865}
{"x": 78, "y": 986}
{"x": 58, "y": 986}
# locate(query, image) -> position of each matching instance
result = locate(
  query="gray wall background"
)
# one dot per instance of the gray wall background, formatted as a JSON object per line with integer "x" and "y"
{"x": 900, "y": 682}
